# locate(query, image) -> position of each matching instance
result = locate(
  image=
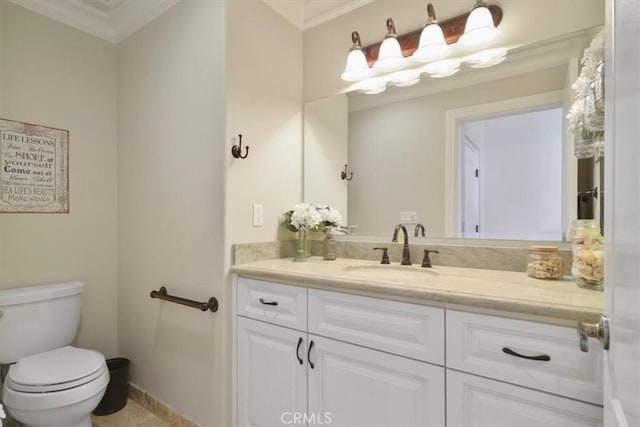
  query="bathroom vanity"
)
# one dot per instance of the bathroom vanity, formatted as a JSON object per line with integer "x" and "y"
{"x": 354, "y": 343}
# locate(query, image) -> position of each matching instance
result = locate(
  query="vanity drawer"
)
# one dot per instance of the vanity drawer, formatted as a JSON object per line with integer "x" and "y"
{"x": 272, "y": 302}
{"x": 409, "y": 330}
{"x": 480, "y": 345}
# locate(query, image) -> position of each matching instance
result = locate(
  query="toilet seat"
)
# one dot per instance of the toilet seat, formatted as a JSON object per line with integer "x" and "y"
{"x": 61, "y": 369}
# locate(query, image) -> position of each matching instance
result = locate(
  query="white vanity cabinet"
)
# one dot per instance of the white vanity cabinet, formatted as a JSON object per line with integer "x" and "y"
{"x": 285, "y": 372}
{"x": 350, "y": 360}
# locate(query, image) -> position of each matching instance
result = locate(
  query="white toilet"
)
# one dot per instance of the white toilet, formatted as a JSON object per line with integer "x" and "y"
{"x": 51, "y": 384}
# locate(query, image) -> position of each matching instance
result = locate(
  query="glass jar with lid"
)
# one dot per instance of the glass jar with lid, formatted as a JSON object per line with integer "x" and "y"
{"x": 544, "y": 263}
{"x": 588, "y": 254}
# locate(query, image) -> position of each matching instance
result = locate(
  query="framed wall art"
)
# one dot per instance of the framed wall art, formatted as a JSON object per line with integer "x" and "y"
{"x": 34, "y": 168}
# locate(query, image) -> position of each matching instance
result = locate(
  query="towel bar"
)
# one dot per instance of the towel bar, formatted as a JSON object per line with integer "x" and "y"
{"x": 211, "y": 305}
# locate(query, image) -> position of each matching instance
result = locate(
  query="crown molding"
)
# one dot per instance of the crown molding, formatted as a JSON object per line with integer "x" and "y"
{"x": 334, "y": 13}
{"x": 112, "y": 25}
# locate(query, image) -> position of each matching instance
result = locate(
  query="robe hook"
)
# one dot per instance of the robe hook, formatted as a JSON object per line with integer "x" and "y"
{"x": 236, "y": 150}
{"x": 345, "y": 174}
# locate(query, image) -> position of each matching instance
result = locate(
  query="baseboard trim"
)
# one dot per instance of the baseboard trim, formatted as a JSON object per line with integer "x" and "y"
{"x": 158, "y": 408}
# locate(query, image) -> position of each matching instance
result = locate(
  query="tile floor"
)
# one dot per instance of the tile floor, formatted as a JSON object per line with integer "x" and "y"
{"x": 132, "y": 415}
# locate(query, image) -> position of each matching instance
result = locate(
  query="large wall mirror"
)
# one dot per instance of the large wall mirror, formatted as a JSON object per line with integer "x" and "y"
{"x": 482, "y": 154}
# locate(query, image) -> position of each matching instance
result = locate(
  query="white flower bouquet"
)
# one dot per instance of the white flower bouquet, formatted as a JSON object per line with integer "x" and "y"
{"x": 330, "y": 217}
{"x": 307, "y": 217}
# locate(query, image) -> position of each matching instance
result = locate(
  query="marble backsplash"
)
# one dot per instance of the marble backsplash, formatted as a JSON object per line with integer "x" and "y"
{"x": 500, "y": 257}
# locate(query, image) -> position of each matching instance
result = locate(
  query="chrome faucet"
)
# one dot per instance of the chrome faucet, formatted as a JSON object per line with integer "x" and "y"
{"x": 419, "y": 227}
{"x": 406, "y": 256}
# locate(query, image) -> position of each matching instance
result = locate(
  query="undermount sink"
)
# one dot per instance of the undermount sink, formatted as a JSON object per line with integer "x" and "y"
{"x": 392, "y": 272}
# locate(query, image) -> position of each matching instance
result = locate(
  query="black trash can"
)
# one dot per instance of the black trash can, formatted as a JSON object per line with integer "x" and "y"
{"x": 115, "y": 398}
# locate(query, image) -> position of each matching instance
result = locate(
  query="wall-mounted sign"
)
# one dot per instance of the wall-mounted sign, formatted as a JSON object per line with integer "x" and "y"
{"x": 34, "y": 168}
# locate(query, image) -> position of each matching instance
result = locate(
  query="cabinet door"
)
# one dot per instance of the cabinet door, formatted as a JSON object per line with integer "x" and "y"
{"x": 356, "y": 386}
{"x": 272, "y": 382}
{"x": 479, "y": 402}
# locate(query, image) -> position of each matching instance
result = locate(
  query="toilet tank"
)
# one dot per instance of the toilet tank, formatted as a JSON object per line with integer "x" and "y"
{"x": 36, "y": 319}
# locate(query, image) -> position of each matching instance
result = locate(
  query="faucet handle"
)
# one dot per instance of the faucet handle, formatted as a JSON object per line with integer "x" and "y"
{"x": 426, "y": 261}
{"x": 385, "y": 255}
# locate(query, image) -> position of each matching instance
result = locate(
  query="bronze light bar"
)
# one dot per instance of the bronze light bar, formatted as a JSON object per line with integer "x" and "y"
{"x": 452, "y": 28}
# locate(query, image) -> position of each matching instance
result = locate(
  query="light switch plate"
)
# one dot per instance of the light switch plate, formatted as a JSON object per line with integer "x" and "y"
{"x": 258, "y": 215}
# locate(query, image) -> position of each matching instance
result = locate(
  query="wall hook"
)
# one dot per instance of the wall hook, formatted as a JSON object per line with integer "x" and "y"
{"x": 344, "y": 174}
{"x": 236, "y": 150}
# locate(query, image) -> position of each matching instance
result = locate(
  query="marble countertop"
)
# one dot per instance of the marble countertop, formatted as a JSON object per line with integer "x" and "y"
{"x": 512, "y": 294}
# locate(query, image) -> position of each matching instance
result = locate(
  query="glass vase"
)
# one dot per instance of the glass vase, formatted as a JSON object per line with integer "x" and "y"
{"x": 329, "y": 247}
{"x": 588, "y": 254}
{"x": 300, "y": 255}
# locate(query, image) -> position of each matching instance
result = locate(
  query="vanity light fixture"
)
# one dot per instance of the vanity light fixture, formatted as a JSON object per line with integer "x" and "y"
{"x": 375, "y": 67}
{"x": 479, "y": 31}
{"x": 357, "y": 67}
{"x": 432, "y": 44}
{"x": 390, "y": 57}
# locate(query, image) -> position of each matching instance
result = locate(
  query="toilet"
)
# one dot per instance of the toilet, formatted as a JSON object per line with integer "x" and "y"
{"x": 50, "y": 383}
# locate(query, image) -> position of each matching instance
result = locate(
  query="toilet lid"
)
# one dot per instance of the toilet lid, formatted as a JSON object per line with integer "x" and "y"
{"x": 55, "y": 370}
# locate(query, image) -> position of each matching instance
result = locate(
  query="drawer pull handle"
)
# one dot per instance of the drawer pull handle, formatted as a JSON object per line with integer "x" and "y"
{"x": 311, "y": 364}
{"x": 262, "y": 301}
{"x": 542, "y": 357}
{"x": 298, "y": 351}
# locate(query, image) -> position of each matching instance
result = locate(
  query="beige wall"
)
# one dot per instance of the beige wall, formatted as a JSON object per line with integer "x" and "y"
{"x": 53, "y": 75}
{"x": 264, "y": 104}
{"x": 171, "y": 151}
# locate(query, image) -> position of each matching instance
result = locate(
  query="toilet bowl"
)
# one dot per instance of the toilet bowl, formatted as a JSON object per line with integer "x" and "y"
{"x": 49, "y": 383}
{"x": 56, "y": 388}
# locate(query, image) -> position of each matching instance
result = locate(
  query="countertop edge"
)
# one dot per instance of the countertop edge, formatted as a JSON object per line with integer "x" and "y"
{"x": 507, "y": 307}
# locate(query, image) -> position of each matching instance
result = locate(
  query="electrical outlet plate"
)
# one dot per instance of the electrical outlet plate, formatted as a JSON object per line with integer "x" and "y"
{"x": 258, "y": 215}
{"x": 408, "y": 217}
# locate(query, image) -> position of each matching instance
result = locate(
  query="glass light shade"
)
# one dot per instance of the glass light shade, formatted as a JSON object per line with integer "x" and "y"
{"x": 444, "y": 68}
{"x": 357, "y": 67}
{"x": 373, "y": 85}
{"x": 403, "y": 76}
{"x": 408, "y": 83}
{"x": 390, "y": 56}
{"x": 487, "y": 58}
{"x": 432, "y": 45}
{"x": 479, "y": 31}
{"x": 375, "y": 91}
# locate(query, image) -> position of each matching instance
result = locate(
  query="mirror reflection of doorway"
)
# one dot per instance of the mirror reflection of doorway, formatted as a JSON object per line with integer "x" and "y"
{"x": 519, "y": 159}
